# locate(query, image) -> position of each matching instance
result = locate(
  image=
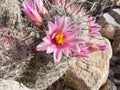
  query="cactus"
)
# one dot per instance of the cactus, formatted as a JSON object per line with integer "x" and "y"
{"x": 21, "y": 62}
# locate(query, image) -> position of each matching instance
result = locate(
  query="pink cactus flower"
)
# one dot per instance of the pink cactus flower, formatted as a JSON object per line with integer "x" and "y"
{"x": 60, "y": 39}
{"x": 102, "y": 47}
{"x": 94, "y": 28}
{"x": 84, "y": 51}
{"x": 88, "y": 48}
{"x": 41, "y": 7}
{"x": 96, "y": 46}
{"x": 59, "y": 2}
{"x": 34, "y": 10}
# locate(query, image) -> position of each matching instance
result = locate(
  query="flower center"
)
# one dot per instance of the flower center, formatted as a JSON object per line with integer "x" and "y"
{"x": 59, "y": 38}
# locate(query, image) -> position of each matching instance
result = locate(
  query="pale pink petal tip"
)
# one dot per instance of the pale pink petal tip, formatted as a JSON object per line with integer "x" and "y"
{"x": 34, "y": 10}
{"x": 57, "y": 56}
{"x": 94, "y": 28}
{"x": 42, "y": 46}
{"x": 103, "y": 47}
{"x": 84, "y": 51}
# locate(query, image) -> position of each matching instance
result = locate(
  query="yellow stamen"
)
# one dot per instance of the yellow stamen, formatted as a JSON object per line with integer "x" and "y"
{"x": 59, "y": 38}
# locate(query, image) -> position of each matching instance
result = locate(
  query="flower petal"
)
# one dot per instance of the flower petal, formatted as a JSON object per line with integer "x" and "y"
{"x": 46, "y": 39}
{"x": 95, "y": 34}
{"x": 57, "y": 21}
{"x": 75, "y": 48}
{"x": 93, "y": 30}
{"x": 77, "y": 40}
{"x": 51, "y": 48}
{"x": 30, "y": 9}
{"x": 63, "y": 24}
{"x": 74, "y": 31}
{"x": 69, "y": 26}
{"x": 57, "y": 56}
{"x": 51, "y": 26}
{"x": 66, "y": 51}
{"x": 84, "y": 47}
{"x": 102, "y": 47}
{"x": 83, "y": 54}
{"x": 42, "y": 46}
{"x": 40, "y": 6}
{"x": 53, "y": 35}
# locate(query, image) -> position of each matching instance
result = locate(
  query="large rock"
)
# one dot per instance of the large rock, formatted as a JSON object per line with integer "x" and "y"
{"x": 109, "y": 86}
{"x": 116, "y": 70}
{"x": 11, "y": 85}
{"x": 115, "y": 60}
{"x": 110, "y": 31}
{"x": 90, "y": 73}
{"x": 116, "y": 47}
{"x": 118, "y": 2}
